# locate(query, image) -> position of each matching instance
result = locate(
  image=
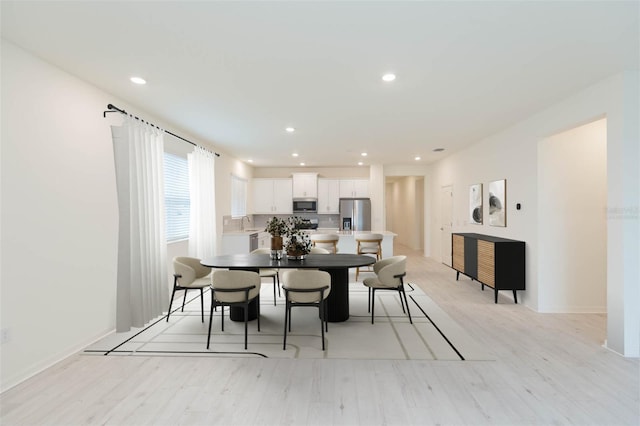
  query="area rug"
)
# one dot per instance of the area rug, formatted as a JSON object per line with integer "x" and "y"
{"x": 432, "y": 336}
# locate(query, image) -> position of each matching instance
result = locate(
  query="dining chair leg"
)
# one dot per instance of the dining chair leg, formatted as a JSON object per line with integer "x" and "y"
{"x": 321, "y": 307}
{"x": 278, "y": 281}
{"x": 246, "y": 323}
{"x": 221, "y": 316}
{"x": 286, "y": 316}
{"x": 258, "y": 303}
{"x": 184, "y": 299}
{"x": 274, "y": 290}
{"x": 202, "y": 304}
{"x": 173, "y": 293}
{"x": 210, "y": 321}
{"x": 369, "y": 301}
{"x": 400, "y": 291}
{"x": 406, "y": 302}
{"x": 326, "y": 315}
{"x": 373, "y": 302}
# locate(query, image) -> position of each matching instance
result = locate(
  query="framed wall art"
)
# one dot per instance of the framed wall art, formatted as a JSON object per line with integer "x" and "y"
{"x": 498, "y": 203}
{"x": 475, "y": 204}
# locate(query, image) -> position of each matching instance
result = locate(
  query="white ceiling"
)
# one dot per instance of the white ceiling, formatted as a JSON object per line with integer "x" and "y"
{"x": 237, "y": 73}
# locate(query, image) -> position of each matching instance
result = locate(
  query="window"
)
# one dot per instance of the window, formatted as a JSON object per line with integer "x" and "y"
{"x": 238, "y": 196}
{"x": 176, "y": 196}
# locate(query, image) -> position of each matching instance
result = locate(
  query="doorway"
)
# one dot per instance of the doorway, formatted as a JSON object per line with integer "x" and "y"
{"x": 572, "y": 228}
{"x": 446, "y": 222}
{"x": 404, "y": 209}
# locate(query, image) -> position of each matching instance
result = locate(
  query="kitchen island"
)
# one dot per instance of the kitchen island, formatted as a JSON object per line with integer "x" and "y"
{"x": 238, "y": 242}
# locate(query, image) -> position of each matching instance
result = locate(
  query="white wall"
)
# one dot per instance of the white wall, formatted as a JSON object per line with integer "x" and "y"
{"x": 512, "y": 155}
{"x": 59, "y": 215}
{"x": 59, "y": 218}
{"x": 323, "y": 172}
{"x": 572, "y": 198}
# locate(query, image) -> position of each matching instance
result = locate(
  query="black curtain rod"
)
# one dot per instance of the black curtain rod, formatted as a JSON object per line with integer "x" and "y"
{"x": 113, "y": 108}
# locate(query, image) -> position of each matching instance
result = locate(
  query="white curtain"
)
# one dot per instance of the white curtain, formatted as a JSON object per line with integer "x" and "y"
{"x": 142, "y": 290}
{"x": 202, "y": 220}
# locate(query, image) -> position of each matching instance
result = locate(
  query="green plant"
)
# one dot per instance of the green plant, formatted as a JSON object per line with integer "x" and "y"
{"x": 276, "y": 227}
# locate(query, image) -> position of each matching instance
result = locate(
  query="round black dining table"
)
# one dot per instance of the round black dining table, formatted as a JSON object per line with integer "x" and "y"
{"x": 337, "y": 265}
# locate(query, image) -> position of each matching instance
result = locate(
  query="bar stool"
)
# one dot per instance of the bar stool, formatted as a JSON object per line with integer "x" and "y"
{"x": 370, "y": 244}
{"x": 326, "y": 241}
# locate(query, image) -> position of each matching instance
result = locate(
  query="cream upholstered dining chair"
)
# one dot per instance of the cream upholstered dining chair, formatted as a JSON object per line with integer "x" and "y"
{"x": 306, "y": 288}
{"x": 325, "y": 241}
{"x": 313, "y": 250}
{"x": 269, "y": 273}
{"x": 189, "y": 274}
{"x": 234, "y": 288}
{"x": 389, "y": 276}
{"x": 370, "y": 244}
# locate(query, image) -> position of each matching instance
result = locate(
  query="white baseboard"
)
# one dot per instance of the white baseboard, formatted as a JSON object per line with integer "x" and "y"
{"x": 18, "y": 377}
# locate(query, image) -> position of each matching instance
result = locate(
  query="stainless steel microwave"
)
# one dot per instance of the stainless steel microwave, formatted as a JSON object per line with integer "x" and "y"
{"x": 305, "y": 205}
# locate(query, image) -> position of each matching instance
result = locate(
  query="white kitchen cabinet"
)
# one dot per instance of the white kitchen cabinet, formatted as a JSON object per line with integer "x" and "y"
{"x": 354, "y": 188}
{"x": 272, "y": 196}
{"x": 305, "y": 185}
{"x": 236, "y": 243}
{"x": 328, "y": 196}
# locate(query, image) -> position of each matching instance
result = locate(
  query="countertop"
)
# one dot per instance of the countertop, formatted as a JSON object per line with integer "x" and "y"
{"x": 251, "y": 231}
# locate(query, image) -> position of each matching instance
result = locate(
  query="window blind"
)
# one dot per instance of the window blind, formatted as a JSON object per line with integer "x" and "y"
{"x": 176, "y": 196}
{"x": 238, "y": 196}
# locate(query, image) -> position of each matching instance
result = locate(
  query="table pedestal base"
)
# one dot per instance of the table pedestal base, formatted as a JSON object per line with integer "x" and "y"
{"x": 338, "y": 299}
{"x": 236, "y": 313}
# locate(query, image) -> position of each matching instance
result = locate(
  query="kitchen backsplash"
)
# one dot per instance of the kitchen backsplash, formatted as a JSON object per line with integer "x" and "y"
{"x": 259, "y": 221}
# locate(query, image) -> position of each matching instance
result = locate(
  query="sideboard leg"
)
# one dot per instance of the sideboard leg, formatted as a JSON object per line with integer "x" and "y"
{"x": 457, "y": 275}
{"x": 496, "y": 294}
{"x": 515, "y": 296}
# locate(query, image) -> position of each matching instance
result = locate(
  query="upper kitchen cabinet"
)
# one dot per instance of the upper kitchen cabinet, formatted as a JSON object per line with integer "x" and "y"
{"x": 272, "y": 196}
{"x": 328, "y": 196}
{"x": 354, "y": 188}
{"x": 305, "y": 185}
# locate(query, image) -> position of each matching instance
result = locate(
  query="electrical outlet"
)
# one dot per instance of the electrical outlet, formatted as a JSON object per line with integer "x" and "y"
{"x": 5, "y": 336}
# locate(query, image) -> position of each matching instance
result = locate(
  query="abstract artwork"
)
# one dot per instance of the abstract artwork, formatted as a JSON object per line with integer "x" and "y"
{"x": 497, "y": 203}
{"x": 475, "y": 204}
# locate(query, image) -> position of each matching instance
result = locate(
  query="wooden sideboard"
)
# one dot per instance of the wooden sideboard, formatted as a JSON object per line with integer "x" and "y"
{"x": 492, "y": 261}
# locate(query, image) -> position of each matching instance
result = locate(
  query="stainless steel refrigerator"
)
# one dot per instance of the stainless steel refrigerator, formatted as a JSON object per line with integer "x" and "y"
{"x": 355, "y": 214}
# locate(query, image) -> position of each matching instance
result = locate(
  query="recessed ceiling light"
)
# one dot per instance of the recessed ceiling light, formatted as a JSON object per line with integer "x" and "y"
{"x": 302, "y": 164}
{"x": 138, "y": 80}
{"x": 417, "y": 158}
{"x": 250, "y": 160}
{"x": 438, "y": 150}
{"x": 295, "y": 154}
{"x": 360, "y": 163}
{"x": 290, "y": 129}
{"x": 389, "y": 77}
{"x": 364, "y": 154}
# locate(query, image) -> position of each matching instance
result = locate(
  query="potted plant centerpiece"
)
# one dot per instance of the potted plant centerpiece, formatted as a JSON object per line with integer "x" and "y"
{"x": 277, "y": 228}
{"x": 298, "y": 244}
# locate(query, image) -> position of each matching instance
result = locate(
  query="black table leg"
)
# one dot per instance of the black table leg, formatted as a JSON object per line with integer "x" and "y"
{"x": 236, "y": 313}
{"x": 338, "y": 299}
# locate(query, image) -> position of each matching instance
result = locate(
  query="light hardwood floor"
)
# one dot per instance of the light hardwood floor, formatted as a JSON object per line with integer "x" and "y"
{"x": 548, "y": 369}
